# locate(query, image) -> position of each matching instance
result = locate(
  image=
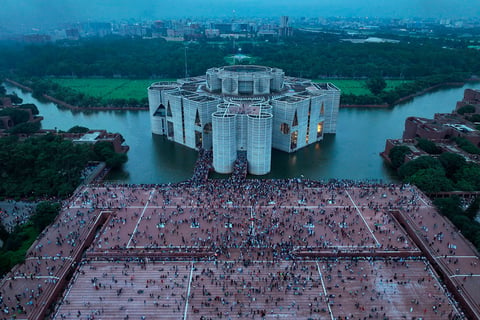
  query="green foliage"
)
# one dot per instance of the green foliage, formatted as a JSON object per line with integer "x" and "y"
{"x": 464, "y": 220}
{"x": 14, "y": 98}
{"x": 18, "y": 116}
{"x": 41, "y": 166}
{"x": 104, "y": 151}
{"x": 3, "y": 90}
{"x": 451, "y": 162}
{"x": 116, "y": 160}
{"x": 449, "y": 172}
{"x": 3, "y": 233}
{"x": 78, "y": 129}
{"x": 312, "y": 56}
{"x": 16, "y": 245}
{"x": 449, "y": 207}
{"x": 376, "y": 85}
{"x": 474, "y": 118}
{"x": 466, "y": 109}
{"x": 466, "y": 145}
{"x": 45, "y": 213}
{"x": 26, "y": 127}
{"x": 30, "y": 106}
{"x": 468, "y": 176}
{"x": 473, "y": 209}
{"x": 428, "y": 146}
{"x": 425, "y": 162}
{"x": 397, "y": 155}
{"x": 431, "y": 180}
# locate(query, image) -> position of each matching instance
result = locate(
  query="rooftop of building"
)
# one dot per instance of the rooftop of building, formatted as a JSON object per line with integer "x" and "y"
{"x": 198, "y": 85}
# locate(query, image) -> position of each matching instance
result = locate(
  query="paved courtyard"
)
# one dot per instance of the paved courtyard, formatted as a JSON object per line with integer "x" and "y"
{"x": 247, "y": 249}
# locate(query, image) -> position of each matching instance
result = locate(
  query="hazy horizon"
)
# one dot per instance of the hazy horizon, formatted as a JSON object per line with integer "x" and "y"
{"x": 34, "y": 13}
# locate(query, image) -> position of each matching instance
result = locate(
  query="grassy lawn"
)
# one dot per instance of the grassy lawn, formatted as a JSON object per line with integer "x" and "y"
{"x": 109, "y": 88}
{"x": 137, "y": 89}
{"x": 358, "y": 87}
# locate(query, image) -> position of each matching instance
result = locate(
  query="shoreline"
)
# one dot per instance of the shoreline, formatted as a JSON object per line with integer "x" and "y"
{"x": 70, "y": 106}
{"x": 410, "y": 96}
{"x": 351, "y": 106}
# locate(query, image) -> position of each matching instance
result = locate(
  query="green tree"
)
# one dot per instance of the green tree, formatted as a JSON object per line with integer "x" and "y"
{"x": 78, "y": 129}
{"x": 466, "y": 145}
{"x": 26, "y": 127}
{"x": 449, "y": 207}
{"x": 428, "y": 146}
{"x": 397, "y": 155}
{"x": 376, "y": 85}
{"x": 466, "y": 109}
{"x": 451, "y": 162}
{"x": 431, "y": 180}
{"x": 45, "y": 213}
{"x": 30, "y": 106}
{"x": 469, "y": 175}
{"x": 14, "y": 98}
{"x": 473, "y": 209}
{"x": 424, "y": 162}
{"x": 18, "y": 116}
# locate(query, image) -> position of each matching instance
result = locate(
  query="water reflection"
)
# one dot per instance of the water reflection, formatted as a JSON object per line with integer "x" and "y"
{"x": 353, "y": 153}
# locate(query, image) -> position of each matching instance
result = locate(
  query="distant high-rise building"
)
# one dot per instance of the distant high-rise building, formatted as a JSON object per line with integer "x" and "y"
{"x": 285, "y": 30}
{"x": 243, "y": 108}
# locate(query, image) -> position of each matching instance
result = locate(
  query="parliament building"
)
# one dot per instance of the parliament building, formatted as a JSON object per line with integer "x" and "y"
{"x": 243, "y": 108}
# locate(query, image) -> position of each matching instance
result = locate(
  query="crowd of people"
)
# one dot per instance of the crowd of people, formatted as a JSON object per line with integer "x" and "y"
{"x": 14, "y": 213}
{"x": 249, "y": 233}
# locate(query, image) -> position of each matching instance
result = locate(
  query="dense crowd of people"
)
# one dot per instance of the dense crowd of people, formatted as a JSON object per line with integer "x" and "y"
{"x": 237, "y": 243}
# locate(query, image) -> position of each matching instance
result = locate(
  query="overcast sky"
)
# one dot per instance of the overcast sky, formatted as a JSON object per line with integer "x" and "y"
{"x": 40, "y": 12}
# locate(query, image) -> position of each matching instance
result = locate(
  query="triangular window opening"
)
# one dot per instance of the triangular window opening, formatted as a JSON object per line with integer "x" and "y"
{"x": 322, "y": 110}
{"x": 295, "y": 119}
{"x": 169, "y": 110}
{"x": 197, "y": 119}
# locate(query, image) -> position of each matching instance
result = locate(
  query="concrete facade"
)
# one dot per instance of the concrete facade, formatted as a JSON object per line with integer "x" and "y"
{"x": 255, "y": 108}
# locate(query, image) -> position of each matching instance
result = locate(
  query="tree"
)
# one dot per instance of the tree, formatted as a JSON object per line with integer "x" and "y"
{"x": 14, "y": 98}
{"x": 30, "y": 106}
{"x": 376, "y": 85}
{"x": 449, "y": 207}
{"x": 466, "y": 145}
{"x": 424, "y": 162}
{"x": 473, "y": 209}
{"x": 26, "y": 127}
{"x": 78, "y": 129}
{"x": 18, "y": 116}
{"x": 45, "y": 213}
{"x": 466, "y": 109}
{"x": 431, "y": 180}
{"x": 469, "y": 174}
{"x": 397, "y": 155}
{"x": 451, "y": 162}
{"x": 428, "y": 146}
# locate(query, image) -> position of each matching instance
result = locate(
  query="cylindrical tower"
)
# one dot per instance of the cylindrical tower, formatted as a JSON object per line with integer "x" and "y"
{"x": 214, "y": 83}
{"x": 259, "y": 143}
{"x": 224, "y": 141}
{"x": 262, "y": 84}
{"x": 277, "y": 80}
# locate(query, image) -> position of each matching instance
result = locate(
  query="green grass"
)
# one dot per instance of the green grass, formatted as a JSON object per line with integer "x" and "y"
{"x": 110, "y": 88}
{"x": 137, "y": 89}
{"x": 358, "y": 87}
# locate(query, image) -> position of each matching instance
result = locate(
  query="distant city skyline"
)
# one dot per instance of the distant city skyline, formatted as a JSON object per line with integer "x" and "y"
{"x": 40, "y": 13}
